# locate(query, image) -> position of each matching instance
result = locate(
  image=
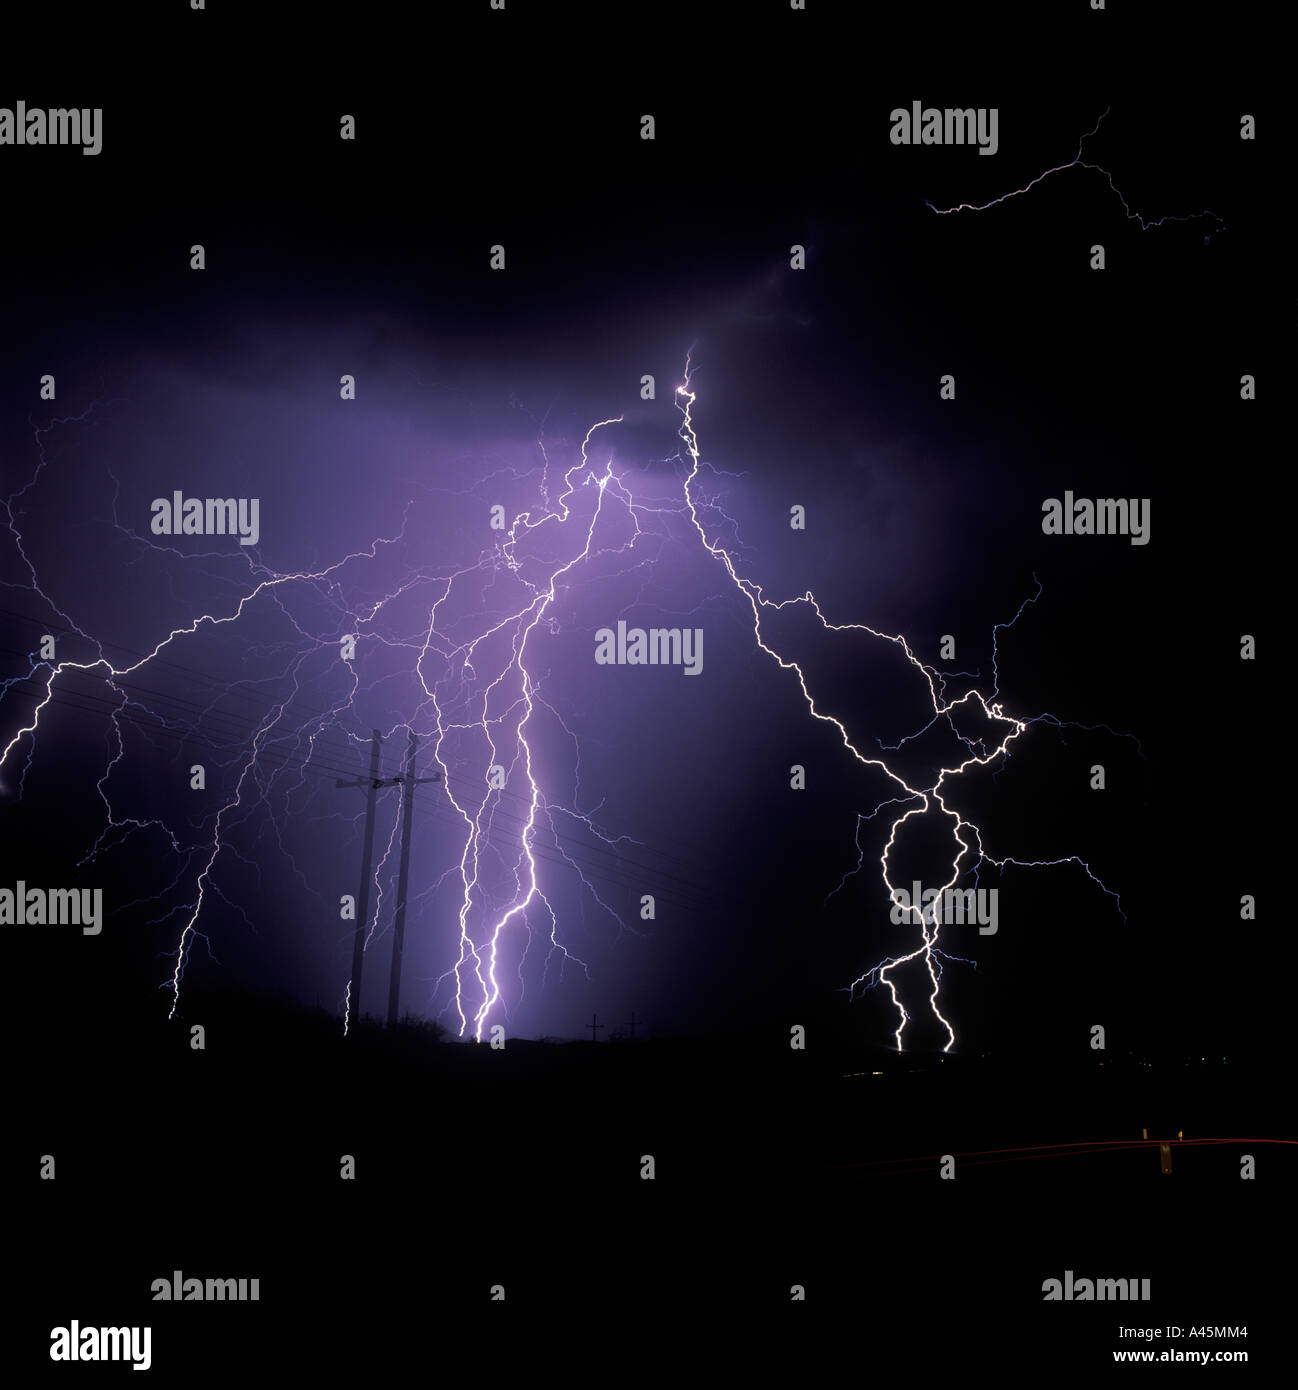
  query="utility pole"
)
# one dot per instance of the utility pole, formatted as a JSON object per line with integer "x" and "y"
{"x": 592, "y": 1025}
{"x": 631, "y": 1025}
{"x": 370, "y": 785}
{"x": 408, "y": 783}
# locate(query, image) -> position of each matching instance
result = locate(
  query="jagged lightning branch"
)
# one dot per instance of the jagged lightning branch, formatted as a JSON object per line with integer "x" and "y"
{"x": 481, "y": 957}
{"x": 498, "y": 711}
{"x": 249, "y": 787}
{"x": 1077, "y": 162}
{"x": 925, "y": 917}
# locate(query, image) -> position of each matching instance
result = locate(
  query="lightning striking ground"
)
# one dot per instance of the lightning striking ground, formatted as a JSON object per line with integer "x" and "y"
{"x": 968, "y": 854}
{"x": 480, "y": 698}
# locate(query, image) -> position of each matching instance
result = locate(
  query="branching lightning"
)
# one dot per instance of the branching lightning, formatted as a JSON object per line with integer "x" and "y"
{"x": 481, "y": 696}
{"x": 969, "y": 854}
{"x": 480, "y": 699}
{"x": 1078, "y": 162}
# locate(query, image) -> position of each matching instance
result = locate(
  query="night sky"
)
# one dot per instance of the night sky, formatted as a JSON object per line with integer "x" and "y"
{"x": 816, "y": 387}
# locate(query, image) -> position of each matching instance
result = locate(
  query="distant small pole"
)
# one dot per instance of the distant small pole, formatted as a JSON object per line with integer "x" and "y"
{"x": 592, "y": 1025}
{"x": 631, "y": 1025}
{"x": 1165, "y": 1157}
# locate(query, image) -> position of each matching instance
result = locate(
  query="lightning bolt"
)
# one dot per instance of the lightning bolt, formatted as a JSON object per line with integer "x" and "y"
{"x": 968, "y": 854}
{"x": 1078, "y": 162}
{"x": 479, "y": 958}
{"x": 480, "y": 699}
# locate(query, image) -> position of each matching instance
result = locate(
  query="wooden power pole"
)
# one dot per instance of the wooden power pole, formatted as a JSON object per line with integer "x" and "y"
{"x": 370, "y": 785}
{"x": 408, "y": 784}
